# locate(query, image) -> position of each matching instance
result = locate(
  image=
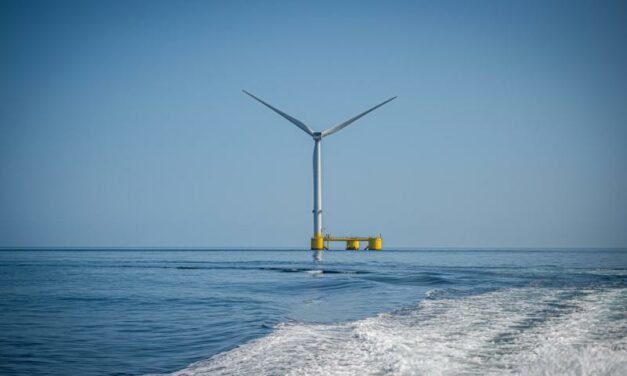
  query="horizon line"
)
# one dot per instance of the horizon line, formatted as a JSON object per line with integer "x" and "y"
{"x": 300, "y": 248}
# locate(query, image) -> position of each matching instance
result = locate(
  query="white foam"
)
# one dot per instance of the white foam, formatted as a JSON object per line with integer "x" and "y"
{"x": 528, "y": 331}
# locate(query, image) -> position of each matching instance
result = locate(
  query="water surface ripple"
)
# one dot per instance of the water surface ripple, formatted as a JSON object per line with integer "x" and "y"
{"x": 247, "y": 312}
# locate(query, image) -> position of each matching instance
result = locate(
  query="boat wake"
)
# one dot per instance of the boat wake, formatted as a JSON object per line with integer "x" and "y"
{"x": 528, "y": 331}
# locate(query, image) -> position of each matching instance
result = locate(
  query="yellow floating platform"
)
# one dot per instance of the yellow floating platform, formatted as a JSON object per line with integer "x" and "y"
{"x": 319, "y": 242}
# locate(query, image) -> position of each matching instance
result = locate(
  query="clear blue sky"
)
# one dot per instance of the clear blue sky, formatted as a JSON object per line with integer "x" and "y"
{"x": 122, "y": 123}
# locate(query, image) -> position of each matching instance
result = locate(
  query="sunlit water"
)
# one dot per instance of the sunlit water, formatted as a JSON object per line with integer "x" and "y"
{"x": 236, "y": 312}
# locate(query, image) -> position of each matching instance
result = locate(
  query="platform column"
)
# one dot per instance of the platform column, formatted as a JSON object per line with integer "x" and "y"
{"x": 375, "y": 244}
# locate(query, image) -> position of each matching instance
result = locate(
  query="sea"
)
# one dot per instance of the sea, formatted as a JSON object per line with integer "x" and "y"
{"x": 280, "y": 312}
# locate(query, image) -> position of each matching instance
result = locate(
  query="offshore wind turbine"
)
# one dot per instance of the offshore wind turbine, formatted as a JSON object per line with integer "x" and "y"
{"x": 317, "y": 241}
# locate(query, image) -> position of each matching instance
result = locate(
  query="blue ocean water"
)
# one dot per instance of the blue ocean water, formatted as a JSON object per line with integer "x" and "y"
{"x": 253, "y": 312}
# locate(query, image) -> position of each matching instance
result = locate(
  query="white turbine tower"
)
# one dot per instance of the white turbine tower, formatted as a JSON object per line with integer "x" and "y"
{"x": 317, "y": 239}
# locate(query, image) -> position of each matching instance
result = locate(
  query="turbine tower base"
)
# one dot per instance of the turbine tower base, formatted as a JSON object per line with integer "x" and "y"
{"x": 317, "y": 243}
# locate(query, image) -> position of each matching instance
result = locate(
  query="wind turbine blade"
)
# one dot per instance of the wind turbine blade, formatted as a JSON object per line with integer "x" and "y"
{"x": 293, "y": 120}
{"x": 345, "y": 124}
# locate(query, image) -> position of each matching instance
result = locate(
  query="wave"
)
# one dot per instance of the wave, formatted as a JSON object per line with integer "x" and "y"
{"x": 516, "y": 331}
{"x": 275, "y": 269}
{"x": 420, "y": 279}
{"x": 200, "y": 266}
